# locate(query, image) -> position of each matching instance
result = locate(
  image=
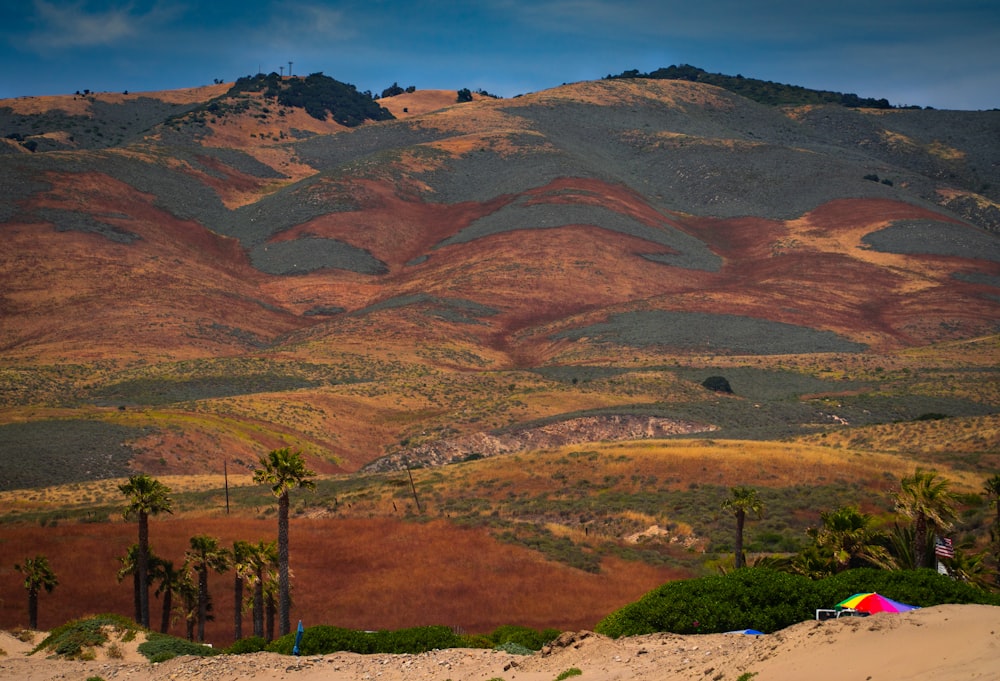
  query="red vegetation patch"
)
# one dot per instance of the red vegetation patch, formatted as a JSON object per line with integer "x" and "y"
{"x": 362, "y": 574}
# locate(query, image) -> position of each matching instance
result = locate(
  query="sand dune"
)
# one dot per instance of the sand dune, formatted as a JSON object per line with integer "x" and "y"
{"x": 942, "y": 643}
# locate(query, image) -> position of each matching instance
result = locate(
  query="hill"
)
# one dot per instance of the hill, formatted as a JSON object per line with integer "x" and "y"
{"x": 508, "y": 286}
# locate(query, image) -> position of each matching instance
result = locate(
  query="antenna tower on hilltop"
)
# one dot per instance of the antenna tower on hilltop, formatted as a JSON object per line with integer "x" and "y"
{"x": 289, "y": 68}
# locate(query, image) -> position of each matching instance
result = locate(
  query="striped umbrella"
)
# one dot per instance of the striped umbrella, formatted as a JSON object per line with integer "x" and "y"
{"x": 872, "y": 602}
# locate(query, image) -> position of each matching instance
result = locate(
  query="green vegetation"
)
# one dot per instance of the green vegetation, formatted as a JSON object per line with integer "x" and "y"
{"x": 38, "y": 575}
{"x": 325, "y": 639}
{"x": 319, "y": 95}
{"x": 161, "y": 647}
{"x": 77, "y": 639}
{"x": 769, "y": 600}
{"x": 284, "y": 470}
{"x": 765, "y": 92}
{"x": 572, "y": 671}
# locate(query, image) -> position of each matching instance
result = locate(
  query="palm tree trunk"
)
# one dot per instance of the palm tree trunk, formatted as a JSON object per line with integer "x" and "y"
{"x": 920, "y": 541}
{"x": 33, "y": 609}
{"x": 142, "y": 569}
{"x": 258, "y": 604}
{"x": 284, "y": 586}
{"x": 270, "y": 619}
{"x": 238, "y": 607}
{"x": 202, "y": 601}
{"x": 137, "y": 594}
{"x": 168, "y": 602}
{"x": 740, "y": 520}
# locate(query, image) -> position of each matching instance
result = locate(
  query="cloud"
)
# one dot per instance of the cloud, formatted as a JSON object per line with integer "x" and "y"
{"x": 61, "y": 27}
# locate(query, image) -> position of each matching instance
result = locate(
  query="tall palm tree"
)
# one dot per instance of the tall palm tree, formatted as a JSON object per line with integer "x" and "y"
{"x": 205, "y": 554}
{"x": 146, "y": 496}
{"x": 38, "y": 575}
{"x": 742, "y": 500}
{"x": 925, "y": 499}
{"x": 284, "y": 470}
{"x": 848, "y": 538}
{"x": 243, "y": 570}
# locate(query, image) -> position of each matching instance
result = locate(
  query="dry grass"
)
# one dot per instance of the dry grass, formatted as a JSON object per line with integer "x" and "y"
{"x": 358, "y": 573}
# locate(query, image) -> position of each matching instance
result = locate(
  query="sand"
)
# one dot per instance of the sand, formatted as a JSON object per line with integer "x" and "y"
{"x": 943, "y": 643}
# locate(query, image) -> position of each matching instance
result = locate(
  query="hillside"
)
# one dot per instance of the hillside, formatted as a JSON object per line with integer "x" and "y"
{"x": 193, "y": 278}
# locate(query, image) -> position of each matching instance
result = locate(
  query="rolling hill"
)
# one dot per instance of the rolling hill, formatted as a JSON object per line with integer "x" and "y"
{"x": 192, "y": 278}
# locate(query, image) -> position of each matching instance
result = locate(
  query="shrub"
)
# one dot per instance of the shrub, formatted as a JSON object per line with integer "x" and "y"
{"x": 324, "y": 639}
{"x": 768, "y": 600}
{"x": 78, "y": 638}
{"x": 526, "y": 637}
{"x": 717, "y": 383}
{"x": 162, "y": 647}
{"x": 250, "y": 644}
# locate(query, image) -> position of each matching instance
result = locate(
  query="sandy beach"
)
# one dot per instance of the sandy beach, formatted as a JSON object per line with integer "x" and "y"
{"x": 942, "y": 643}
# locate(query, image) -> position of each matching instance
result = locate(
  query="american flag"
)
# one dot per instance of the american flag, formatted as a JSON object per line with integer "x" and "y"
{"x": 943, "y": 548}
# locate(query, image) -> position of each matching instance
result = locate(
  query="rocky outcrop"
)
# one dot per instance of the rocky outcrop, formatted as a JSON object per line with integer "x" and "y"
{"x": 568, "y": 432}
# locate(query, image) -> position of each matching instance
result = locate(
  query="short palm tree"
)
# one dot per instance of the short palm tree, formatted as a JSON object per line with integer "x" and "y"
{"x": 284, "y": 470}
{"x": 38, "y": 575}
{"x": 992, "y": 489}
{"x": 170, "y": 583}
{"x": 742, "y": 500}
{"x": 263, "y": 557}
{"x": 847, "y": 536}
{"x": 243, "y": 570}
{"x": 925, "y": 499}
{"x": 205, "y": 554}
{"x": 146, "y": 497}
{"x": 129, "y": 567}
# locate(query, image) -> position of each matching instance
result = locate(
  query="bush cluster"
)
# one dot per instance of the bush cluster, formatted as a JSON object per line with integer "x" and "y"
{"x": 325, "y": 639}
{"x": 162, "y": 647}
{"x": 768, "y": 600}
{"x": 74, "y": 639}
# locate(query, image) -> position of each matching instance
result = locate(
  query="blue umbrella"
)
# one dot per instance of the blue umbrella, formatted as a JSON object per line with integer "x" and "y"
{"x": 298, "y": 639}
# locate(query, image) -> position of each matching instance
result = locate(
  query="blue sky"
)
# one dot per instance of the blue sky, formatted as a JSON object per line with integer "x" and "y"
{"x": 940, "y": 53}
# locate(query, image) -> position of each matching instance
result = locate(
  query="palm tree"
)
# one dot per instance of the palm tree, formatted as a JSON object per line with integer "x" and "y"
{"x": 969, "y": 568}
{"x": 243, "y": 570}
{"x": 38, "y": 575}
{"x": 205, "y": 554}
{"x": 170, "y": 580}
{"x": 189, "y": 607}
{"x": 146, "y": 496}
{"x": 284, "y": 470}
{"x": 742, "y": 500}
{"x": 850, "y": 541}
{"x": 925, "y": 499}
{"x": 264, "y": 556}
{"x": 992, "y": 489}
{"x": 130, "y": 562}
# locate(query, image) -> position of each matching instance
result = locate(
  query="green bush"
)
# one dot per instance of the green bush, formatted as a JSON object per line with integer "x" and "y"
{"x": 73, "y": 638}
{"x": 324, "y": 639}
{"x": 161, "y": 647}
{"x": 522, "y": 636}
{"x": 768, "y": 600}
{"x": 250, "y": 644}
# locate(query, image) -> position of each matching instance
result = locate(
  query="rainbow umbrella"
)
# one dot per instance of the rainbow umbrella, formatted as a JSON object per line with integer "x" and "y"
{"x": 872, "y": 602}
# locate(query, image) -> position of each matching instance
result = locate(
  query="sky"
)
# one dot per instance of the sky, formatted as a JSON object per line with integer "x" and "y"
{"x": 939, "y": 53}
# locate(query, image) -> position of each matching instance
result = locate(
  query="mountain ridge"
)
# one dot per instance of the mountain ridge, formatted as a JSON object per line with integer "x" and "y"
{"x": 667, "y": 220}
